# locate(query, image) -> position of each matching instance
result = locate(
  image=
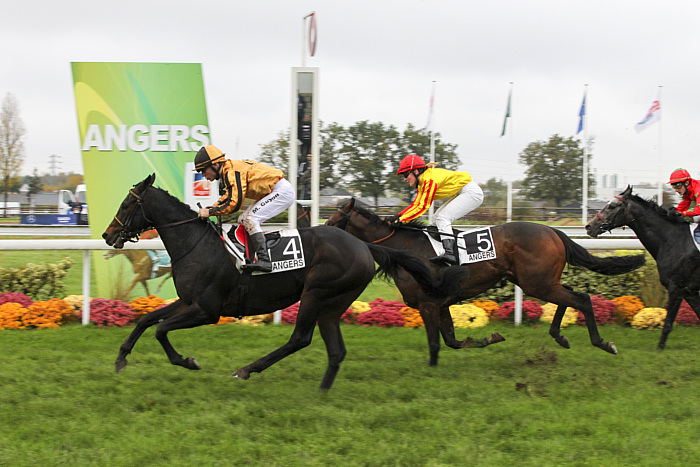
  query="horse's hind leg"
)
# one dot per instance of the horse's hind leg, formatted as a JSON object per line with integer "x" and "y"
{"x": 144, "y": 323}
{"x": 190, "y": 317}
{"x": 555, "y": 328}
{"x": 674, "y": 302}
{"x": 300, "y": 338}
{"x": 329, "y": 326}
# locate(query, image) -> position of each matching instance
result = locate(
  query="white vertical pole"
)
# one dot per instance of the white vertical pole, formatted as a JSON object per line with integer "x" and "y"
{"x": 509, "y": 202}
{"x": 660, "y": 189}
{"x": 303, "y": 40}
{"x": 518, "y": 311}
{"x": 432, "y": 142}
{"x": 584, "y": 193}
{"x": 315, "y": 158}
{"x": 86, "y": 286}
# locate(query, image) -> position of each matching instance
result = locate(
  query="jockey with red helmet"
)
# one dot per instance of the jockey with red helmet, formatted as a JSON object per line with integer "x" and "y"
{"x": 239, "y": 179}
{"x": 689, "y": 189}
{"x": 433, "y": 183}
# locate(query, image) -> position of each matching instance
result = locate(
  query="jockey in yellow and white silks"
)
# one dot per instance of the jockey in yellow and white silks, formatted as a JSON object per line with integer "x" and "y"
{"x": 433, "y": 183}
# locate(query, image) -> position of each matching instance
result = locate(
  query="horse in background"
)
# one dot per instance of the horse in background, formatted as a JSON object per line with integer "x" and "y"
{"x": 142, "y": 266}
{"x": 531, "y": 256}
{"x": 668, "y": 239}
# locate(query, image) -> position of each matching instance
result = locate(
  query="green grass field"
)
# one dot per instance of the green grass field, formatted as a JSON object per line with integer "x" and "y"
{"x": 524, "y": 402}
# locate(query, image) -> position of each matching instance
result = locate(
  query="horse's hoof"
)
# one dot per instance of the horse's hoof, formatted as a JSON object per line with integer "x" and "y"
{"x": 241, "y": 373}
{"x": 609, "y": 347}
{"x": 563, "y": 341}
{"x": 496, "y": 337}
{"x": 192, "y": 364}
{"x": 120, "y": 364}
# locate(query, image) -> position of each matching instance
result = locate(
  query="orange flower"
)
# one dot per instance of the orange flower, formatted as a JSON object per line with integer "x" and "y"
{"x": 145, "y": 305}
{"x": 411, "y": 317}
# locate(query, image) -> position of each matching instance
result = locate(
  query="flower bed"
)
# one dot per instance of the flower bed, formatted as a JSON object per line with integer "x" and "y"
{"x": 18, "y": 311}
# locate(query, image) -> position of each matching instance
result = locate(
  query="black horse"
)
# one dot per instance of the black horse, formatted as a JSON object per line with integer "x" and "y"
{"x": 529, "y": 255}
{"x": 337, "y": 269}
{"x": 667, "y": 239}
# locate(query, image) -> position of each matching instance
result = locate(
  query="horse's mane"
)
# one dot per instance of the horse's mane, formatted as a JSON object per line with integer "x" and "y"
{"x": 175, "y": 200}
{"x": 376, "y": 220}
{"x": 651, "y": 205}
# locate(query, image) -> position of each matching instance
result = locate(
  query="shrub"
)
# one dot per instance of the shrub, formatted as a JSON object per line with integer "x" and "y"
{"x": 686, "y": 316}
{"x": 383, "y": 317}
{"x": 47, "y": 314}
{"x": 649, "y": 318}
{"x": 360, "y": 307}
{"x": 145, "y": 305}
{"x": 548, "y": 310}
{"x": 626, "y": 307}
{"x": 38, "y": 281}
{"x": 531, "y": 311}
{"x": 15, "y": 297}
{"x": 107, "y": 312}
{"x": 468, "y": 316}
{"x": 603, "y": 310}
{"x": 489, "y": 306}
{"x": 411, "y": 317}
{"x": 11, "y": 315}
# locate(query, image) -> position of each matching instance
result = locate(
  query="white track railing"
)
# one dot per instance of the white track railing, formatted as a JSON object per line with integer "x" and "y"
{"x": 88, "y": 245}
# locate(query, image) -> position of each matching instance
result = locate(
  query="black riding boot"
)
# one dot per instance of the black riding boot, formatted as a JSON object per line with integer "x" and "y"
{"x": 449, "y": 255}
{"x": 263, "y": 263}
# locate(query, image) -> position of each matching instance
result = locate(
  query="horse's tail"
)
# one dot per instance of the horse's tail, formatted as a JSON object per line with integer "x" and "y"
{"x": 576, "y": 255}
{"x": 390, "y": 260}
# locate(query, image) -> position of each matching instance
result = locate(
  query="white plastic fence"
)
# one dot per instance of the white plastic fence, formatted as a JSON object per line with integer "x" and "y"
{"x": 88, "y": 245}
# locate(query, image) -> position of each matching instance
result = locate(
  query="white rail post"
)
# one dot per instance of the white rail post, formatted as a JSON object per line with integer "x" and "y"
{"x": 86, "y": 286}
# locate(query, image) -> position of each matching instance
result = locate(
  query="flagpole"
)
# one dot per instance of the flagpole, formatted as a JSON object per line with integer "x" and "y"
{"x": 584, "y": 194}
{"x": 432, "y": 141}
{"x": 660, "y": 189}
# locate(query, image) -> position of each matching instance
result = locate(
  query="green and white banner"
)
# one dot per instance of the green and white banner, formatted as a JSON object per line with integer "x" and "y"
{"x": 136, "y": 119}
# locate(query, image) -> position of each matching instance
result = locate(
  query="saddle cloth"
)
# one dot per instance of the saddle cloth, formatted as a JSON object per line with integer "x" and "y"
{"x": 473, "y": 245}
{"x": 283, "y": 246}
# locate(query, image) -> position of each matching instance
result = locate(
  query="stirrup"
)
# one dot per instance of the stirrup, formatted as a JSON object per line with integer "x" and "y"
{"x": 444, "y": 259}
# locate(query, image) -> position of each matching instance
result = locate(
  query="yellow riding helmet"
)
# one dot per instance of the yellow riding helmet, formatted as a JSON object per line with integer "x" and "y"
{"x": 206, "y": 156}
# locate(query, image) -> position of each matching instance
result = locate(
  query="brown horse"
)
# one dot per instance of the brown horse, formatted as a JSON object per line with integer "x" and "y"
{"x": 532, "y": 256}
{"x": 142, "y": 265}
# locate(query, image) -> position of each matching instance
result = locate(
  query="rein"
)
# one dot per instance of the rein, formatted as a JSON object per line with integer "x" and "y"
{"x": 609, "y": 225}
{"x": 133, "y": 236}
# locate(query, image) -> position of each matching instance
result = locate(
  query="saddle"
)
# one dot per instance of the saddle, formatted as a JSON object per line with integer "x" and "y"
{"x": 284, "y": 247}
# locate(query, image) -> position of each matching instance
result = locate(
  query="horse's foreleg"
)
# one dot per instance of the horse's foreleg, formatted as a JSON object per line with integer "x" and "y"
{"x": 433, "y": 328}
{"x": 192, "y": 316}
{"x": 447, "y": 330}
{"x": 674, "y": 302}
{"x": 144, "y": 323}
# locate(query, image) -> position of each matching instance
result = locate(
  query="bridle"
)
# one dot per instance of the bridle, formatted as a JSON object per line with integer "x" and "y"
{"x": 129, "y": 235}
{"x": 608, "y": 225}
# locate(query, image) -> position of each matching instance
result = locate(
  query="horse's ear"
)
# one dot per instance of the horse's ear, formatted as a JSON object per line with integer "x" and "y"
{"x": 628, "y": 191}
{"x": 150, "y": 179}
{"x": 351, "y": 204}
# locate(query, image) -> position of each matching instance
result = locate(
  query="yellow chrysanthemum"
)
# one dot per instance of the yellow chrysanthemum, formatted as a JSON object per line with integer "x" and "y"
{"x": 468, "y": 316}
{"x": 548, "y": 310}
{"x": 649, "y": 318}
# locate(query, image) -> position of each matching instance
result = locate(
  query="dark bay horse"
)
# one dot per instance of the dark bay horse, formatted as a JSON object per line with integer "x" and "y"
{"x": 667, "y": 239}
{"x": 532, "y": 256}
{"x": 337, "y": 269}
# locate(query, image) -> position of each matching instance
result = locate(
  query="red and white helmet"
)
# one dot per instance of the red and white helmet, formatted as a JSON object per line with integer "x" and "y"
{"x": 410, "y": 162}
{"x": 679, "y": 175}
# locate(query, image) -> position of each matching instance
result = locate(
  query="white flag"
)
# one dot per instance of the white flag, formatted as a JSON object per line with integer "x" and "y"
{"x": 652, "y": 116}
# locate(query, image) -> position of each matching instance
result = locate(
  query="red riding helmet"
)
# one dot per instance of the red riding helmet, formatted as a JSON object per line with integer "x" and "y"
{"x": 679, "y": 175}
{"x": 410, "y": 162}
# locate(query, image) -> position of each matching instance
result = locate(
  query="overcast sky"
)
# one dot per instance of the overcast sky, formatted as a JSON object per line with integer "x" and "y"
{"x": 377, "y": 62}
